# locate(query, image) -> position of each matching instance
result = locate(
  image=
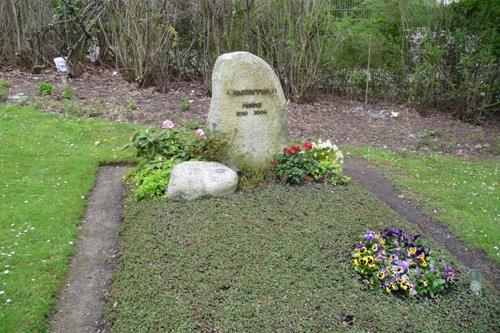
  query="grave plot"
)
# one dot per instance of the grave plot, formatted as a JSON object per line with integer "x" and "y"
{"x": 274, "y": 260}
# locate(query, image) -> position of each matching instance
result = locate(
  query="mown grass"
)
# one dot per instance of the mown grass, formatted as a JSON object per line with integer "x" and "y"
{"x": 47, "y": 166}
{"x": 272, "y": 260}
{"x": 463, "y": 194}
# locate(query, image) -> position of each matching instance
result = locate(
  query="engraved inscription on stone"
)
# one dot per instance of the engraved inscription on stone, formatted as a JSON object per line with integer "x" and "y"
{"x": 242, "y": 92}
{"x": 249, "y": 105}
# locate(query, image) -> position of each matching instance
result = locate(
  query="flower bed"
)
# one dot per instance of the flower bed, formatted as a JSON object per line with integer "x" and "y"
{"x": 317, "y": 161}
{"x": 399, "y": 263}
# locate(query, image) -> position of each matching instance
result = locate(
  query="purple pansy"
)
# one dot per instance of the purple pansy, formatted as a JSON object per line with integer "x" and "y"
{"x": 369, "y": 235}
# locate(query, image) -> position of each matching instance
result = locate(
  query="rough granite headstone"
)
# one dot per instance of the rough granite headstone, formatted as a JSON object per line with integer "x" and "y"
{"x": 248, "y": 105}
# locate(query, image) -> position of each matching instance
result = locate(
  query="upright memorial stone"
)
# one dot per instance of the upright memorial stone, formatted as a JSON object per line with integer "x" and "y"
{"x": 248, "y": 105}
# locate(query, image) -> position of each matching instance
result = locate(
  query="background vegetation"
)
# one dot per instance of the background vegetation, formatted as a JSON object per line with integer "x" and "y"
{"x": 431, "y": 54}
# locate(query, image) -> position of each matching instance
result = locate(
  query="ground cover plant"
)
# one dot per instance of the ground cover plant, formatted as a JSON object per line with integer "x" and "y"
{"x": 464, "y": 194}
{"x": 273, "y": 260}
{"x": 47, "y": 166}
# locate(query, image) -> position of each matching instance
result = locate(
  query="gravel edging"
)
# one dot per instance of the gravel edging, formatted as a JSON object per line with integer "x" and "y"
{"x": 80, "y": 303}
{"x": 373, "y": 179}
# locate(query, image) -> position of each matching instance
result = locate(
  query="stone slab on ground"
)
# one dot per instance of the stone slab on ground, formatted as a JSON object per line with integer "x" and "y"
{"x": 194, "y": 179}
{"x": 248, "y": 105}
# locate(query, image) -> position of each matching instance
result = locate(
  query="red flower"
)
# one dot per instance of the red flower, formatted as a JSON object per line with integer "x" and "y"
{"x": 307, "y": 145}
{"x": 292, "y": 150}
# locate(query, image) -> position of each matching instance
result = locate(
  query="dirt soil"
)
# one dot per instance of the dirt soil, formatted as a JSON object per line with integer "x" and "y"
{"x": 80, "y": 304}
{"x": 102, "y": 93}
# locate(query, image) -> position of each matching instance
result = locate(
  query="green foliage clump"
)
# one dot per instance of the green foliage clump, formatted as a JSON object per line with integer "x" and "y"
{"x": 68, "y": 93}
{"x": 161, "y": 149}
{"x": 185, "y": 104}
{"x": 250, "y": 177}
{"x": 45, "y": 88}
{"x": 4, "y": 89}
{"x": 311, "y": 161}
{"x": 151, "y": 178}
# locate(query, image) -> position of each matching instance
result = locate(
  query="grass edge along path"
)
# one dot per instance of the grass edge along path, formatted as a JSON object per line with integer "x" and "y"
{"x": 48, "y": 166}
{"x": 461, "y": 193}
{"x": 273, "y": 260}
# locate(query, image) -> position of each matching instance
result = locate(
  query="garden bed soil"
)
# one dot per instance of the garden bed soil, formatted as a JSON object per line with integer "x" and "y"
{"x": 344, "y": 120}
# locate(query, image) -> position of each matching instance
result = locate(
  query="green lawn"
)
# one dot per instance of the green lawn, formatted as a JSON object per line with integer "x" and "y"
{"x": 463, "y": 194}
{"x": 273, "y": 260}
{"x": 47, "y": 166}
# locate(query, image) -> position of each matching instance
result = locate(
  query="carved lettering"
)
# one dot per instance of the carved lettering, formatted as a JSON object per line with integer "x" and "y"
{"x": 243, "y": 92}
{"x": 258, "y": 112}
{"x": 241, "y": 113}
{"x": 252, "y": 105}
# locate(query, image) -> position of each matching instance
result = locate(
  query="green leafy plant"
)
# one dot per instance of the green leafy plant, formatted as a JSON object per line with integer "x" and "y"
{"x": 185, "y": 104}
{"x": 178, "y": 143}
{"x": 249, "y": 176}
{"x": 45, "y": 88}
{"x": 161, "y": 149}
{"x": 152, "y": 143}
{"x": 312, "y": 161}
{"x": 151, "y": 178}
{"x": 399, "y": 263}
{"x": 68, "y": 93}
{"x": 4, "y": 89}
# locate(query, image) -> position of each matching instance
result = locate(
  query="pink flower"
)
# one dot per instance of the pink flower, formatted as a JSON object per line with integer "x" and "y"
{"x": 168, "y": 124}
{"x": 199, "y": 133}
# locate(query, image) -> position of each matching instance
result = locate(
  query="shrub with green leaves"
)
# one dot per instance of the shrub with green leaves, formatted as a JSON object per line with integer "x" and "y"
{"x": 312, "y": 161}
{"x": 161, "y": 149}
{"x": 45, "y": 88}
